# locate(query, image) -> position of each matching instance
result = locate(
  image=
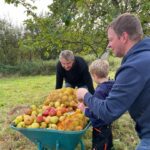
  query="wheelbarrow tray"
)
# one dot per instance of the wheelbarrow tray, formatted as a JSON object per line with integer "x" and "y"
{"x": 48, "y": 139}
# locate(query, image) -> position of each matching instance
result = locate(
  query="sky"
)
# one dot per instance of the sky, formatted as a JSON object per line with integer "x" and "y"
{"x": 16, "y": 15}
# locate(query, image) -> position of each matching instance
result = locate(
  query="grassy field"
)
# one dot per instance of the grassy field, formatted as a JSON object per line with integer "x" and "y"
{"x": 18, "y": 92}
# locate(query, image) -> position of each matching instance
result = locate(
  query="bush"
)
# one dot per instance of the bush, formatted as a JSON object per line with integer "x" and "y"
{"x": 30, "y": 68}
{"x": 40, "y": 67}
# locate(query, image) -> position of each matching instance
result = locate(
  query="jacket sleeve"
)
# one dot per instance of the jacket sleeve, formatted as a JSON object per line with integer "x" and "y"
{"x": 129, "y": 83}
{"x": 59, "y": 77}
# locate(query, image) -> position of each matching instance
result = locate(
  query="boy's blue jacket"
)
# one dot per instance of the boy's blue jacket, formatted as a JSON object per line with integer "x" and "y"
{"x": 131, "y": 91}
{"x": 101, "y": 92}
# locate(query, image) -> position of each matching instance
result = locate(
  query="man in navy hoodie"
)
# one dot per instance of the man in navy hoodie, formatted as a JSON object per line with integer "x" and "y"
{"x": 131, "y": 90}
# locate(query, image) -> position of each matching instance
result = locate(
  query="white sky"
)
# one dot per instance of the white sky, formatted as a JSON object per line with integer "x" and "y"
{"x": 16, "y": 15}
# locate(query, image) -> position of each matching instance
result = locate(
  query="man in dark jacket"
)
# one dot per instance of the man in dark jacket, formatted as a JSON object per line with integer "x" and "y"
{"x": 74, "y": 70}
{"x": 131, "y": 90}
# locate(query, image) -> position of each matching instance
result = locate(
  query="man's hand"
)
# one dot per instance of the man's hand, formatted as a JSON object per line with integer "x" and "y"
{"x": 81, "y": 93}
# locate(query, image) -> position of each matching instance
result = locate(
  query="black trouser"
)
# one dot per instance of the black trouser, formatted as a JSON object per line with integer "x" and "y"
{"x": 102, "y": 138}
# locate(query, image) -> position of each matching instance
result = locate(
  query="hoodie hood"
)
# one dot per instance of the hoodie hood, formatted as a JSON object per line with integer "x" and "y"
{"x": 139, "y": 47}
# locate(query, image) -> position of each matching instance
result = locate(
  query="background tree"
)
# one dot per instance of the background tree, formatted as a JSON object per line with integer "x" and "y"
{"x": 79, "y": 25}
{"x": 9, "y": 48}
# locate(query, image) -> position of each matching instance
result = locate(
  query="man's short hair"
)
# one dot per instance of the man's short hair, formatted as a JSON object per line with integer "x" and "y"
{"x": 67, "y": 55}
{"x": 100, "y": 68}
{"x": 127, "y": 23}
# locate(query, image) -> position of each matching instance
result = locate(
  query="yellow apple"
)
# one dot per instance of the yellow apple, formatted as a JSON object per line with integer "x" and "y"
{"x": 54, "y": 119}
{"x": 52, "y": 126}
{"x": 43, "y": 125}
{"x": 28, "y": 120}
{"x": 18, "y": 119}
{"x": 35, "y": 125}
{"x": 21, "y": 125}
{"x": 57, "y": 104}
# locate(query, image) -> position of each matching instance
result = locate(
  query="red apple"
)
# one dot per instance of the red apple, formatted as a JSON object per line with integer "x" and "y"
{"x": 39, "y": 119}
{"x": 52, "y": 111}
{"x": 45, "y": 113}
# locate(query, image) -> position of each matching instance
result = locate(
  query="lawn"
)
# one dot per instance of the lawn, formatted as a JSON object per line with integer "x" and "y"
{"x": 19, "y": 92}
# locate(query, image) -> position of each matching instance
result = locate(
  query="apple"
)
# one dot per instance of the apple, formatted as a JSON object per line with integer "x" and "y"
{"x": 43, "y": 125}
{"x": 59, "y": 113}
{"x": 63, "y": 110}
{"x": 35, "y": 125}
{"x": 61, "y": 118}
{"x": 34, "y": 112}
{"x": 47, "y": 119}
{"x": 21, "y": 125}
{"x": 57, "y": 104}
{"x": 28, "y": 120}
{"x": 18, "y": 119}
{"x": 45, "y": 113}
{"x": 54, "y": 119}
{"x": 44, "y": 107}
{"x": 52, "y": 126}
{"x": 28, "y": 111}
{"x": 33, "y": 107}
{"x": 52, "y": 111}
{"x": 39, "y": 119}
{"x": 51, "y": 104}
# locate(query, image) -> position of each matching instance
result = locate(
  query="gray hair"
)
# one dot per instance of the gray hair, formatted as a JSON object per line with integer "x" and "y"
{"x": 67, "y": 55}
{"x": 127, "y": 23}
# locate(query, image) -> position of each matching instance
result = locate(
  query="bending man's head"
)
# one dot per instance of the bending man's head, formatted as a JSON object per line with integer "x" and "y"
{"x": 66, "y": 59}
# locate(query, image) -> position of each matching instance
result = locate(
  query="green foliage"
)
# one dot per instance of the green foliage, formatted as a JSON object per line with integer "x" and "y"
{"x": 9, "y": 36}
{"x": 29, "y": 68}
{"x": 39, "y": 67}
{"x": 78, "y": 25}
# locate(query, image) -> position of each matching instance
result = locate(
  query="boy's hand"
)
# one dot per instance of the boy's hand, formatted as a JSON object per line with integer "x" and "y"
{"x": 81, "y": 106}
{"x": 81, "y": 93}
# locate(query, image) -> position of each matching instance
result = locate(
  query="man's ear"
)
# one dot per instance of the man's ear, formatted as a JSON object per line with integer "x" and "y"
{"x": 124, "y": 37}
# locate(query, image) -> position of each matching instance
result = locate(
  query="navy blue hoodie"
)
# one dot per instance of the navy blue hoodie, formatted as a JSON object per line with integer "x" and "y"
{"x": 131, "y": 91}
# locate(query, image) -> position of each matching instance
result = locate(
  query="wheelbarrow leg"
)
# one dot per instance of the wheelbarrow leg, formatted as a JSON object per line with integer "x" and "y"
{"x": 57, "y": 145}
{"x": 39, "y": 146}
{"x": 82, "y": 145}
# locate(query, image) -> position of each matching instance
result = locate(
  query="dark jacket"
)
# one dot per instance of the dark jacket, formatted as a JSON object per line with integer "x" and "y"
{"x": 101, "y": 92}
{"x": 77, "y": 76}
{"x": 131, "y": 90}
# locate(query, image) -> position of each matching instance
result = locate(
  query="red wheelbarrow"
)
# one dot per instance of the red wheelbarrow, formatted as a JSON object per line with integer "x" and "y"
{"x": 47, "y": 139}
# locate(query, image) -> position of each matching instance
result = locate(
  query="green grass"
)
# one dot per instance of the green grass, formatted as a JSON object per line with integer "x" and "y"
{"x": 17, "y": 92}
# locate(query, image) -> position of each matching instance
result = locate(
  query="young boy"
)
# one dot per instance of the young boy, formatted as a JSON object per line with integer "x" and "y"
{"x": 102, "y": 134}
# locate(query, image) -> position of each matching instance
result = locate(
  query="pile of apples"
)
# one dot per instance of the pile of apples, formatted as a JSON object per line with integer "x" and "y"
{"x": 59, "y": 111}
